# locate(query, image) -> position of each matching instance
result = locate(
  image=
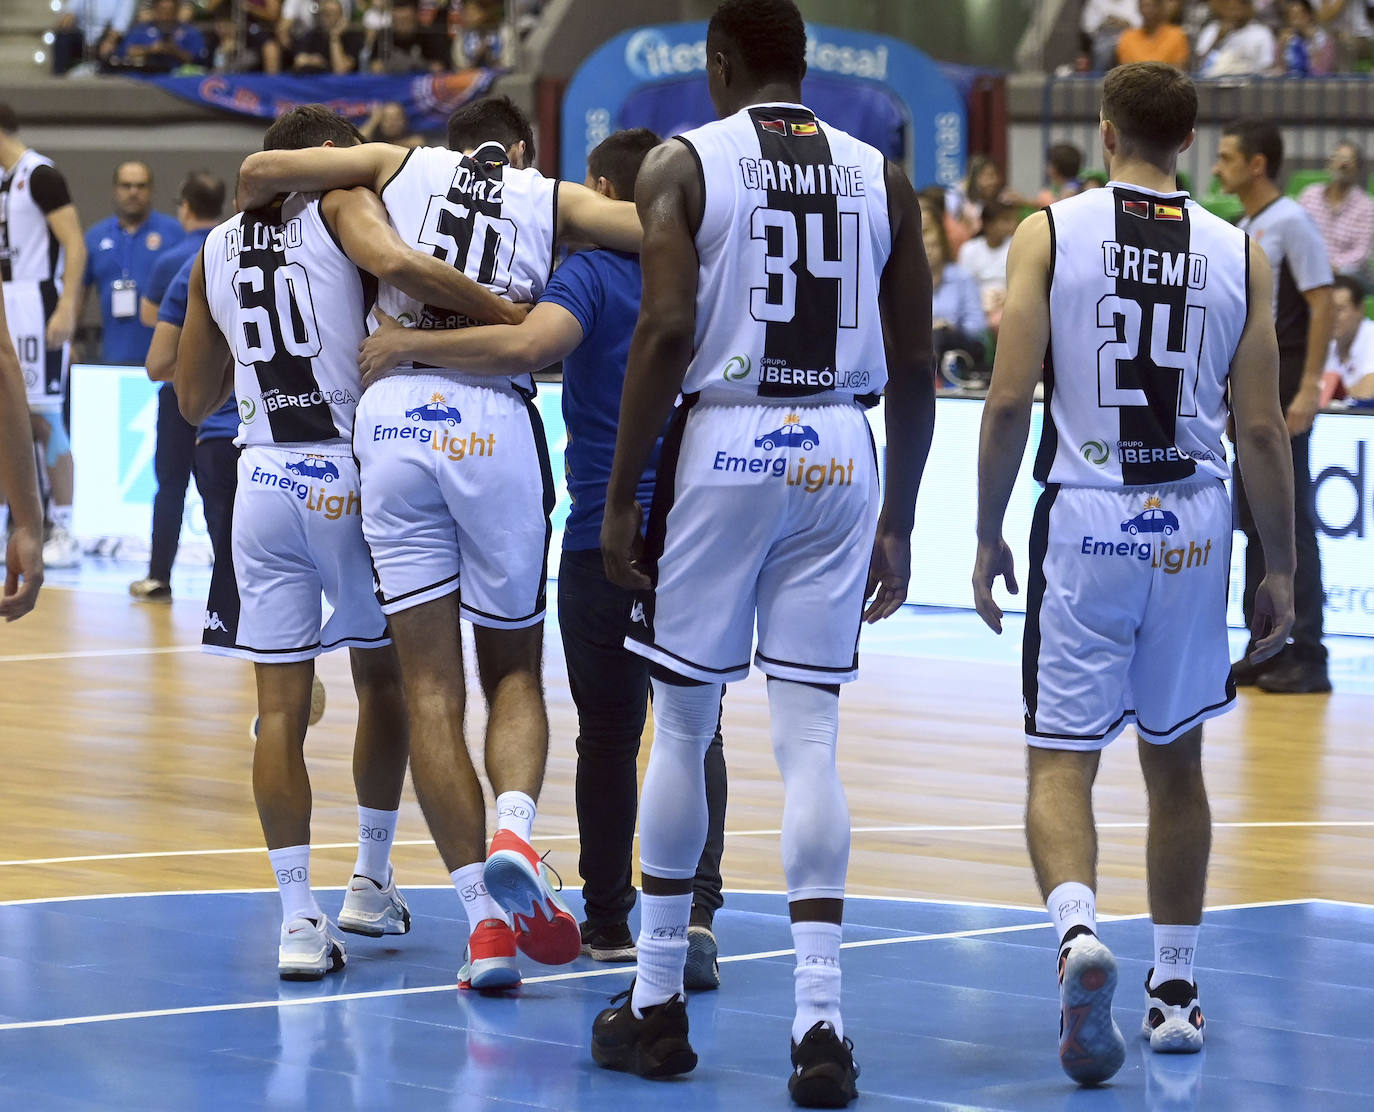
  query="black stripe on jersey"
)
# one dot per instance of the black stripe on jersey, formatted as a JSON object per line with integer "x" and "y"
{"x": 1049, "y": 432}
{"x": 6, "y": 268}
{"x": 285, "y": 378}
{"x": 807, "y": 341}
{"x": 1152, "y": 428}
{"x": 1035, "y": 596}
{"x": 553, "y": 240}
{"x": 53, "y": 358}
{"x": 665, "y": 494}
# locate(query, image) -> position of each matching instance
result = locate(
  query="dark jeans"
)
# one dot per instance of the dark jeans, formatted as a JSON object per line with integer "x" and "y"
{"x": 1308, "y": 596}
{"x": 172, "y": 461}
{"x": 610, "y": 687}
{"x": 216, "y": 467}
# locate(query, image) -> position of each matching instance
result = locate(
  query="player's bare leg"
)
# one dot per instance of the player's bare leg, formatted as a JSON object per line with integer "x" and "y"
{"x": 1060, "y": 832}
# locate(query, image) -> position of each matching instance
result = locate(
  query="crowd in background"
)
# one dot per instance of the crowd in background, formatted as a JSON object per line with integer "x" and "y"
{"x": 287, "y": 36}
{"x": 1229, "y": 38}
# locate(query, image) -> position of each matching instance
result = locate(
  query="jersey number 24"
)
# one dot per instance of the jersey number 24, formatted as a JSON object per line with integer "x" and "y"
{"x": 1120, "y": 319}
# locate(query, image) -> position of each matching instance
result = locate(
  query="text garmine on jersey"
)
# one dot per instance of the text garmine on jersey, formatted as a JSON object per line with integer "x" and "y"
{"x": 795, "y": 177}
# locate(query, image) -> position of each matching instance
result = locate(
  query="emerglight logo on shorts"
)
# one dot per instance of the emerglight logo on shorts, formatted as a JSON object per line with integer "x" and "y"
{"x": 1153, "y": 519}
{"x": 430, "y": 424}
{"x": 332, "y": 506}
{"x": 791, "y": 434}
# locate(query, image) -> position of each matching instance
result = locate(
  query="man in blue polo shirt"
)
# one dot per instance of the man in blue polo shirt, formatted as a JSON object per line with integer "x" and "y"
{"x": 586, "y": 317}
{"x": 120, "y": 252}
{"x": 200, "y": 205}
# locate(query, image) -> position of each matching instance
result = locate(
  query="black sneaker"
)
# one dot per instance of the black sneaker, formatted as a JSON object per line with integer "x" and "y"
{"x": 1296, "y": 677}
{"x": 609, "y": 942}
{"x": 1245, "y": 673}
{"x": 824, "y": 1073}
{"x": 655, "y": 1046}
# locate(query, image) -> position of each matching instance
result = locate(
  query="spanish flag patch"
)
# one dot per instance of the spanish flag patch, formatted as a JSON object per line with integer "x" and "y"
{"x": 1168, "y": 212}
{"x": 805, "y": 128}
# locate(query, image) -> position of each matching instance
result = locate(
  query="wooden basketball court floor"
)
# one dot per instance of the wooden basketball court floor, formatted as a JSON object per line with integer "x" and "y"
{"x": 137, "y": 923}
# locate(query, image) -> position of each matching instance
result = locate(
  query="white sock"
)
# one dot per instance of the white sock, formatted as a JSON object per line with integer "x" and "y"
{"x": 472, "y": 890}
{"x": 817, "y": 977}
{"x": 292, "y": 866}
{"x": 1072, "y": 905}
{"x": 62, "y": 516}
{"x": 662, "y": 949}
{"x": 1175, "y": 947}
{"x": 375, "y": 832}
{"x": 515, "y": 812}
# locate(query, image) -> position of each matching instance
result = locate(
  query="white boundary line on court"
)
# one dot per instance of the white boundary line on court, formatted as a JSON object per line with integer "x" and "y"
{"x": 954, "y": 828}
{"x": 82, "y": 654}
{"x": 578, "y": 975}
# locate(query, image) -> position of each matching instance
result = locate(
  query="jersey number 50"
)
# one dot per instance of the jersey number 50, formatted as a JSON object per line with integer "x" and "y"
{"x": 787, "y": 237}
{"x": 1121, "y": 318}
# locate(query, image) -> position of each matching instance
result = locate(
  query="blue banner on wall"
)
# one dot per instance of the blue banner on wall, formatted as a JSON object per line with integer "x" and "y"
{"x": 428, "y": 98}
{"x": 882, "y": 90}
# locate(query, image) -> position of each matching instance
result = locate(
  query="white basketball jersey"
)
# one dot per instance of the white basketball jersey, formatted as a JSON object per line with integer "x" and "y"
{"x": 292, "y": 306}
{"x": 793, "y": 240}
{"x": 1148, "y": 299}
{"x": 476, "y": 212}
{"x": 29, "y": 252}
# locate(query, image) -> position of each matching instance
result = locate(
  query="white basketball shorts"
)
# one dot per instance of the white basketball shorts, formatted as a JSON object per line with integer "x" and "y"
{"x": 297, "y": 534}
{"x": 27, "y": 308}
{"x": 457, "y": 494}
{"x": 763, "y": 510}
{"x": 1126, "y": 613}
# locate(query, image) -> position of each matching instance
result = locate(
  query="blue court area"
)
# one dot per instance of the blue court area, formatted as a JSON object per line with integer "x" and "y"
{"x": 172, "y": 1002}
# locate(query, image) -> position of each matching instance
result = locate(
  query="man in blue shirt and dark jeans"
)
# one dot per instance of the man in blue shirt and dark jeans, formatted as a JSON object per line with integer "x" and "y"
{"x": 200, "y": 205}
{"x": 586, "y": 317}
{"x": 120, "y": 252}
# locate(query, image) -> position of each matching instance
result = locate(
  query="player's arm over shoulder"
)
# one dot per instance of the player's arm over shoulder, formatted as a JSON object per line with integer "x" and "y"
{"x": 585, "y": 215}
{"x": 1025, "y": 332}
{"x": 265, "y": 174}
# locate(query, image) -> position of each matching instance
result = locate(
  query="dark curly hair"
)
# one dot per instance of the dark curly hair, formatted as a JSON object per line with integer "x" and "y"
{"x": 769, "y": 35}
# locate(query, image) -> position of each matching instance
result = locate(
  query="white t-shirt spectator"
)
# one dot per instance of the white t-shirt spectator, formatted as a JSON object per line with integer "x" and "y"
{"x": 1358, "y": 363}
{"x": 1097, "y": 12}
{"x": 987, "y": 265}
{"x": 1247, "y": 50}
{"x": 95, "y": 17}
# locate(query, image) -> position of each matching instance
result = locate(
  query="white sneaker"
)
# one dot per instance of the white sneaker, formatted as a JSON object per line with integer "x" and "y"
{"x": 309, "y": 949}
{"x": 61, "y": 549}
{"x": 1173, "y": 1017}
{"x": 151, "y": 590}
{"x": 372, "y": 910}
{"x": 1091, "y": 1046}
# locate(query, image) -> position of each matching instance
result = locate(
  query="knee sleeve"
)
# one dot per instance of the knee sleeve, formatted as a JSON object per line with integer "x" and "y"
{"x": 805, "y": 723}
{"x": 672, "y": 809}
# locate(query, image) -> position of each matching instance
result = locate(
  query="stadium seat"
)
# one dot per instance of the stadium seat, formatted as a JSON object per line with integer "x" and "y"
{"x": 1301, "y": 179}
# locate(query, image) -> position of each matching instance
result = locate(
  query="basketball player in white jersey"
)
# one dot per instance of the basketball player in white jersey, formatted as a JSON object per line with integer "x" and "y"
{"x": 24, "y": 546}
{"x": 289, "y": 287}
{"x": 457, "y": 496}
{"x": 1147, "y": 315}
{"x": 778, "y": 255}
{"x": 40, "y": 245}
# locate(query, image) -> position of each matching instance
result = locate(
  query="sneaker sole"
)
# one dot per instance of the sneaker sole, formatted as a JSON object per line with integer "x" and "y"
{"x": 491, "y": 973}
{"x": 312, "y": 971}
{"x": 1086, "y": 1003}
{"x": 822, "y": 1087}
{"x": 374, "y": 926}
{"x": 702, "y": 970}
{"x": 1177, "y": 1037}
{"x": 612, "y": 954}
{"x": 670, "y": 1059}
{"x": 544, "y": 932}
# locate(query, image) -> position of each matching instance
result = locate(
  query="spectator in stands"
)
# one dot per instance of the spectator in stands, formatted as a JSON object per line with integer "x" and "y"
{"x": 1349, "y": 371}
{"x": 200, "y": 206}
{"x": 1305, "y": 50}
{"x": 984, "y": 258}
{"x": 985, "y": 182}
{"x": 89, "y": 30}
{"x": 1343, "y": 211}
{"x": 1063, "y": 165}
{"x": 120, "y": 252}
{"x": 262, "y": 50}
{"x": 388, "y": 124}
{"x": 1102, "y": 22}
{"x": 327, "y": 44}
{"x": 482, "y": 42}
{"x": 1348, "y": 22}
{"x": 958, "y": 319}
{"x": 413, "y": 48}
{"x": 1155, "y": 40}
{"x": 1235, "y": 43}
{"x": 163, "y": 42}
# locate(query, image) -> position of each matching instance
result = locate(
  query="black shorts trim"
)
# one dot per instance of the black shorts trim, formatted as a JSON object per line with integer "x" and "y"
{"x": 808, "y": 667}
{"x": 1187, "y": 722}
{"x": 541, "y": 448}
{"x": 1035, "y": 597}
{"x": 418, "y": 591}
{"x": 1118, "y": 724}
{"x": 690, "y": 663}
{"x": 502, "y": 617}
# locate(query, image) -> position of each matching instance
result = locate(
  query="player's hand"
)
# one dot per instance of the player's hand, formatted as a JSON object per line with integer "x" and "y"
{"x": 516, "y": 312}
{"x": 1302, "y": 410}
{"x": 993, "y": 559}
{"x": 1273, "y": 620}
{"x": 889, "y": 575}
{"x": 23, "y": 572}
{"x": 622, "y": 546}
{"x": 381, "y": 351}
{"x": 61, "y": 325}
